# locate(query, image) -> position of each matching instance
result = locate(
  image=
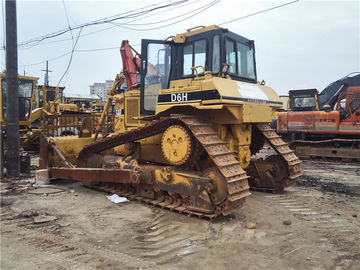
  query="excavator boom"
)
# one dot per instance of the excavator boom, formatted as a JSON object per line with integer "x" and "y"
{"x": 131, "y": 63}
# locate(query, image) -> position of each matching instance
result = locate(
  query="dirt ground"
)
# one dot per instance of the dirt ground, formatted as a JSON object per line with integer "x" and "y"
{"x": 313, "y": 225}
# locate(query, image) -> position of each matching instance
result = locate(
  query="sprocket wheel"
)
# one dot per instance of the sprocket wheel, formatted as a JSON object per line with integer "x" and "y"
{"x": 177, "y": 145}
{"x": 279, "y": 171}
{"x": 220, "y": 191}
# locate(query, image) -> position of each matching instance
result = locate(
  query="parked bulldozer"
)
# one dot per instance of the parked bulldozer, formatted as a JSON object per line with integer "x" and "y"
{"x": 41, "y": 111}
{"x": 52, "y": 100}
{"x": 35, "y": 103}
{"x": 190, "y": 121}
{"x": 27, "y": 87}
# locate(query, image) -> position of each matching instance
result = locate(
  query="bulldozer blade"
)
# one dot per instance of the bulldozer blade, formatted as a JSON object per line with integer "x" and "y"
{"x": 94, "y": 174}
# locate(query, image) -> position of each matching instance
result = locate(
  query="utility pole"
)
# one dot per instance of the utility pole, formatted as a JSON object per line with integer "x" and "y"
{"x": 46, "y": 77}
{"x": 12, "y": 114}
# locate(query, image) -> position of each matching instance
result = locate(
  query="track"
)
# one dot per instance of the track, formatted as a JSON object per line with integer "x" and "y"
{"x": 283, "y": 149}
{"x": 230, "y": 169}
{"x": 347, "y": 150}
{"x": 235, "y": 178}
{"x": 166, "y": 201}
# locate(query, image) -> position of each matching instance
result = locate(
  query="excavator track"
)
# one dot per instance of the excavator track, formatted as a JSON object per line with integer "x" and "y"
{"x": 284, "y": 151}
{"x": 338, "y": 149}
{"x": 216, "y": 149}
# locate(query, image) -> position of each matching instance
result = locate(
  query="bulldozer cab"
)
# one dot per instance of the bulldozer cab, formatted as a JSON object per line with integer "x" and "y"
{"x": 189, "y": 55}
{"x": 45, "y": 94}
{"x": 26, "y": 89}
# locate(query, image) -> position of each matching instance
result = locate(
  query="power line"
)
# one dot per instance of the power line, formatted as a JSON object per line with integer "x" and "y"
{"x": 197, "y": 11}
{"x": 71, "y": 33}
{"x": 201, "y": 9}
{"x": 66, "y": 14}
{"x": 69, "y": 52}
{"x": 51, "y": 59}
{"x": 177, "y": 7}
{"x": 67, "y": 19}
{"x": 71, "y": 57}
{"x": 131, "y": 14}
{"x": 111, "y": 27}
{"x": 170, "y": 19}
{"x": 66, "y": 39}
{"x": 24, "y": 65}
{"x": 99, "y": 49}
{"x": 258, "y": 12}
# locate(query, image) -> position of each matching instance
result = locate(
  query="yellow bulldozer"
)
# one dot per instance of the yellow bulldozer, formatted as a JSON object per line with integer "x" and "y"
{"x": 27, "y": 115}
{"x": 41, "y": 111}
{"x": 36, "y": 103}
{"x": 186, "y": 134}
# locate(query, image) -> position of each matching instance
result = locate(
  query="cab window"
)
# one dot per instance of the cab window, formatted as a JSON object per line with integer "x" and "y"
{"x": 230, "y": 55}
{"x": 303, "y": 102}
{"x": 216, "y": 54}
{"x": 99, "y": 108}
{"x": 41, "y": 98}
{"x": 60, "y": 96}
{"x": 194, "y": 55}
{"x": 188, "y": 56}
{"x": 157, "y": 73}
{"x": 355, "y": 102}
{"x": 240, "y": 58}
{"x": 200, "y": 53}
{"x": 50, "y": 95}
{"x": 245, "y": 57}
{"x": 25, "y": 88}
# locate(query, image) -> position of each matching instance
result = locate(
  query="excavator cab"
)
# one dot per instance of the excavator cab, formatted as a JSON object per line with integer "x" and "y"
{"x": 348, "y": 104}
{"x": 212, "y": 49}
{"x": 303, "y": 100}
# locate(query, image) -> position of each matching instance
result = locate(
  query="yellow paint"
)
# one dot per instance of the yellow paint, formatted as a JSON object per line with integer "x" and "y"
{"x": 176, "y": 144}
{"x": 181, "y": 38}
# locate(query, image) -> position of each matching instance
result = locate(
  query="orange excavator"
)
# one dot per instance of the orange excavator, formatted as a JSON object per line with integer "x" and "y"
{"x": 333, "y": 131}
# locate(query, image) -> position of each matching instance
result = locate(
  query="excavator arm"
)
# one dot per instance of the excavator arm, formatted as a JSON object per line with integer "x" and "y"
{"x": 131, "y": 67}
{"x": 131, "y": 63}
{"x": 119, "y": 79}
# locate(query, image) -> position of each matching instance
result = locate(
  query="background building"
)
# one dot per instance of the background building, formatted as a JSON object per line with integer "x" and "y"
{"x": 100, "y": 89}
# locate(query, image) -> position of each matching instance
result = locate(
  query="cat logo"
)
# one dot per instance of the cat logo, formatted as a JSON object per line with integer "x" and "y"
{"x": 179, "y": 97}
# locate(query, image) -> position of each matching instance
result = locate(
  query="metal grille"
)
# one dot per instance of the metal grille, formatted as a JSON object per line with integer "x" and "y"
{"x": 132, "y": 110}
{"x": 70, "y": 124}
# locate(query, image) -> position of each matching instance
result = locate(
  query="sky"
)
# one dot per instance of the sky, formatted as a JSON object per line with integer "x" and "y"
{"x": 306, "y": 44}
